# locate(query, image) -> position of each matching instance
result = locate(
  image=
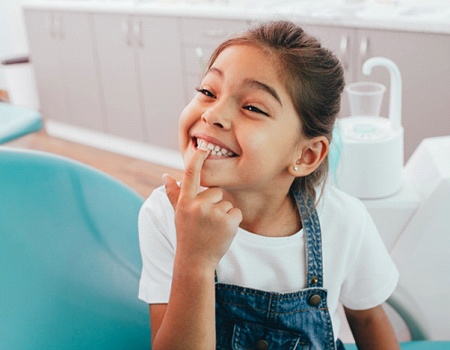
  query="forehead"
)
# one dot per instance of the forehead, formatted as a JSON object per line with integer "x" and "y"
{"x": 248, "y": 61}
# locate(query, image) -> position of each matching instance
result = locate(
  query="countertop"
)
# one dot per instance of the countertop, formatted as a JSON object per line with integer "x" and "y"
{"x": 430, "y": 17}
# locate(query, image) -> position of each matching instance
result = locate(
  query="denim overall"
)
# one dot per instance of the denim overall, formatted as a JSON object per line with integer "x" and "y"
{"x": 253, "y": 319}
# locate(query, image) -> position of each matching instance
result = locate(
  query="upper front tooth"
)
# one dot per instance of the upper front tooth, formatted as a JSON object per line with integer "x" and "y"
{"x": 215, "y": 149}
{"x": 202, "y": 145}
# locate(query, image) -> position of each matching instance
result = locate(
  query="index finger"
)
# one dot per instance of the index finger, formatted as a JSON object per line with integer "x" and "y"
{"x": 191, "y": 179}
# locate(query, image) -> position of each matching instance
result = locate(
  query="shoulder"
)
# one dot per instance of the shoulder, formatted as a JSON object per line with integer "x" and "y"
{"x": 157, "y": 214}
{"x": 345, "y": 222}
{"x": 157, "y": 203}
{"x": 341, "y": 208}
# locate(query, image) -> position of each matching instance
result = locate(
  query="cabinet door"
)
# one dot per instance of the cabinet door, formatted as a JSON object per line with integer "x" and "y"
{"x": 48, "y": 67}
{"x": 80, "y": 73}
{"x": 63, "y": 59}
{"x": 423, "y": 62}
{"x": 114, "y": 41}
{"x": 341, "y": 41}
{"x": 161, "y": 77}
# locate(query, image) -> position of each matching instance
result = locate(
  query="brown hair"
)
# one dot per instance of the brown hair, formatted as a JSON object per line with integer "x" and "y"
{"x": 313, "y": 78}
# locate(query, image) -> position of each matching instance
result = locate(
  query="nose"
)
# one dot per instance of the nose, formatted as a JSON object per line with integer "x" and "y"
{"x": 219, "y": 117}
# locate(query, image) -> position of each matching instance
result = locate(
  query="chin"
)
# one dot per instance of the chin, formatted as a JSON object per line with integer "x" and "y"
{"x": 210, "y": 180}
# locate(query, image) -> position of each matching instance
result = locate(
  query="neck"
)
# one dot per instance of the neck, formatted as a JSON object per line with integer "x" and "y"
{"x": 267, "y": 214}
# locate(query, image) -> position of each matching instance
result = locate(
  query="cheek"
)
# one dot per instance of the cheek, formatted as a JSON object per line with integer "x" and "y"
{"x": 277, "y": 148}
{"x": 187, "y": 119}
{"x": 184, "y": 117}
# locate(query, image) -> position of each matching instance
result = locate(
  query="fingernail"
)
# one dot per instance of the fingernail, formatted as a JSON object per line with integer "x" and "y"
{"x": 164, "y": 178}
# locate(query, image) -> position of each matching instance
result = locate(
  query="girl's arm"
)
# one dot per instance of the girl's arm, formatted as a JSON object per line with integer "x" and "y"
{"x": 372, "y": 329}
{"x": 188, "y": 321}
{"x": 205, "y": 225}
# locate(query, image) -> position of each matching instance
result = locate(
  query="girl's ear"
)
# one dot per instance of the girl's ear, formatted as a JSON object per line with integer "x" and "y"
{"x": 312, "y": 154}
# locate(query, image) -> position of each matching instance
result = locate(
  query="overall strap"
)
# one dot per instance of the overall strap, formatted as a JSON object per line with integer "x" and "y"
{"x": 313, "y": 236}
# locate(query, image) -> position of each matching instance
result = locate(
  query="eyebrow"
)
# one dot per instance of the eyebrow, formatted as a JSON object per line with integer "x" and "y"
{"x": 261, "y": 86}
{"x": 251, "y": 83}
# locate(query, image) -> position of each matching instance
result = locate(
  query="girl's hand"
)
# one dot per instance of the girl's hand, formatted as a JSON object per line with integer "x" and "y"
{"x": 206, "y": 223}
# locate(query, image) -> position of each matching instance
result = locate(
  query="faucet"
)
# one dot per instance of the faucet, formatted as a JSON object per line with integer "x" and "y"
{"x": 395, "y": 98}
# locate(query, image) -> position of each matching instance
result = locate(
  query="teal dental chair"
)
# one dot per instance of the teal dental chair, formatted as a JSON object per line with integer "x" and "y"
{"x": 69, "y": 257}
{"x": 16, "y": 121}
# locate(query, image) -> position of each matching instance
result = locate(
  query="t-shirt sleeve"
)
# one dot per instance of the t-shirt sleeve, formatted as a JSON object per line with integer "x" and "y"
{"x": 372, "y": 275}
{"x": 157, "y": 240}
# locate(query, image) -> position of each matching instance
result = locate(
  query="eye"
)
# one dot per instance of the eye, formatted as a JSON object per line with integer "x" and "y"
{"x": 255, "y": 110}
{"x": 205, "y": 92}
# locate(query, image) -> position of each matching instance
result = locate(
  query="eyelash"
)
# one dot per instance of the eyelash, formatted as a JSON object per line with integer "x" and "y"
{"x": 249, "y": 107}
{"x": 205, "y": 92}
{"x": 256, "y": 110}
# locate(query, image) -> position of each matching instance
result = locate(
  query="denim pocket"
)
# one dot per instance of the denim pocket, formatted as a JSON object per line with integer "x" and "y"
{"x": 249, "y": 336}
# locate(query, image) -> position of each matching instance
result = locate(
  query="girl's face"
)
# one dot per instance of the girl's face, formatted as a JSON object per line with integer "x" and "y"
{"x": 243, "y": 110}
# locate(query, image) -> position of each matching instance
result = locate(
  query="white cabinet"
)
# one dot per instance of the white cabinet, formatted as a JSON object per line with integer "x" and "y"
{"x": 113, "y": 73}
{"x": 119, "y": 76}
{"x": 160, "y": 64}
{"x": 141, "y": 76}
{"x": 200, "y": 36}
{"x": 65, "y": 67}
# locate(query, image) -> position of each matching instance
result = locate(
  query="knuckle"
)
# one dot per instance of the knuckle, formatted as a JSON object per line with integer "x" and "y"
{"x": 189, "y": 172}
{"x": 202, "y": 207}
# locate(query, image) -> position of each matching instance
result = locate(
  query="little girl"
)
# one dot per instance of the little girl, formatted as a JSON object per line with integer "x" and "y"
{"x": 251, "y": 250}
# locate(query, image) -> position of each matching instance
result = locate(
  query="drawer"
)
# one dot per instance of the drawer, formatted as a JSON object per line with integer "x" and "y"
{"x": 199, "y": 31}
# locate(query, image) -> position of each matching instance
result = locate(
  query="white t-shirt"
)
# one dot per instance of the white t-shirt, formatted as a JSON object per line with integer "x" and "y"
{"x": 358, "y": 271}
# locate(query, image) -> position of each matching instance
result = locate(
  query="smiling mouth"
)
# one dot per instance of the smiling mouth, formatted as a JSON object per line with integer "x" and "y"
{"x": 215, "y": 149}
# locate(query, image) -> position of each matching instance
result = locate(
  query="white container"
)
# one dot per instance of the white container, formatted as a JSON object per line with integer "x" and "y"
{"x": 20, "y": 82}
{"x": 365, "y": 98}
{"x": 372, "y": 147}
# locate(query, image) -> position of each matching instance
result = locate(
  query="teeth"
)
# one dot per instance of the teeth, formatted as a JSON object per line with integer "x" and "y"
{"x": 201, "y": 144}
{"x": 215, "y": 150}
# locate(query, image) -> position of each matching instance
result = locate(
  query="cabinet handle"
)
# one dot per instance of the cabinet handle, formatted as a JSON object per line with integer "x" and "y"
{"x": 343, "y": 51}
{"x": 59, "y": 27}
{"x": 50, "y": 23}
{"x": 215, "y": 33}
{"x": 363, "y": 50}
{"x": 126, "y": 31}
{"x": 201, "y": 58}
{"x": 137, "y": 31}
{"x": 54, "y": 26}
